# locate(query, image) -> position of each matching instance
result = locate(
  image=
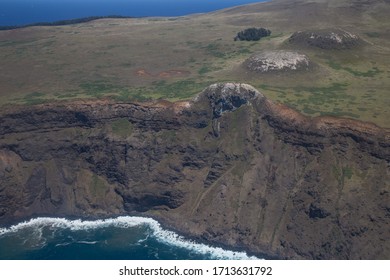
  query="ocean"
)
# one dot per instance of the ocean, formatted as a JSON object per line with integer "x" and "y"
{"x": 122, "y": 238}
{"x": 22, "y": 12}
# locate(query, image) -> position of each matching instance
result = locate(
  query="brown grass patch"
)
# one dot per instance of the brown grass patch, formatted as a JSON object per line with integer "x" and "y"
{"x": 173, "y": 73}
{"x": 143, "y": 73}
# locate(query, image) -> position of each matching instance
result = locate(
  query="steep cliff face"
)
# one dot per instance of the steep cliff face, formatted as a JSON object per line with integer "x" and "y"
{"x": 229, "y": 167}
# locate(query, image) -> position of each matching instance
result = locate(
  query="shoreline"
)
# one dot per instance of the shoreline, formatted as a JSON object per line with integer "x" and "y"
{"x": 63, "y": 22}
{"x": 83, "y": 19}
{"x": 165, "y": 226}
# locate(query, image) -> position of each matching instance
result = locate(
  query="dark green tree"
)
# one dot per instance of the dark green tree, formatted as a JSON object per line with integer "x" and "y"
{"x": 252, "y": 34}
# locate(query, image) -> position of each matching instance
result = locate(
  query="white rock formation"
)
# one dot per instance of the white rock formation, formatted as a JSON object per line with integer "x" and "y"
{"x": 277, "y": 61}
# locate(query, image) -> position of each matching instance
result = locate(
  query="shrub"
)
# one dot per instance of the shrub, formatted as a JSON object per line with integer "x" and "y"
{"x": 252, "y": 34}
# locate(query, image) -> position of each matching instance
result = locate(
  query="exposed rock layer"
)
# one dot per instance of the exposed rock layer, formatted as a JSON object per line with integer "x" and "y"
{"x": 334, "y": 39}
{"x": 230, "y": 167}
{"x": 271, "y": 61}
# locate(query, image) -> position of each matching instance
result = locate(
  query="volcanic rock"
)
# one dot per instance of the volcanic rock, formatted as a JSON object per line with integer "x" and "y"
{"x": 229, "y": 167}
{"x": 325, "y": 39}
{"x": 274, "y": 61}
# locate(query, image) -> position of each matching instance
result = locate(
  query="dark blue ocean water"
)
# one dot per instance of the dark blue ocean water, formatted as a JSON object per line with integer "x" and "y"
{"x": 20, "y": 12}
{"x": 122, "y": 238}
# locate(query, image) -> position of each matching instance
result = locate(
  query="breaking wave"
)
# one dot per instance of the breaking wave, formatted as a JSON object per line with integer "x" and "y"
{"x": 162, "y": 235}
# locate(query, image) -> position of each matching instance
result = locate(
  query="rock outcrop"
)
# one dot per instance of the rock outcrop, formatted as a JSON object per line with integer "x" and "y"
{"x": 334, "y": 39}
{"x": 273, "y": 61}
{"x": 229, "y": 167}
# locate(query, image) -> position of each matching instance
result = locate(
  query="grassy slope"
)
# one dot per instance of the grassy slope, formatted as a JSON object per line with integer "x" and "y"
{"x": 135, "y": 58}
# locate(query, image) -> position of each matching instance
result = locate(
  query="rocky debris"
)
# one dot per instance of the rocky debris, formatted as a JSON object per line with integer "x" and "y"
{"x": 273, "y": 61}
{"x": 335, "y": 39}
{"x": 273, "y": 180}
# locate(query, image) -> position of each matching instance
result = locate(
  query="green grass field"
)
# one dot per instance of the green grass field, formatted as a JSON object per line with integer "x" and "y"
{"x": 176, "y": 58}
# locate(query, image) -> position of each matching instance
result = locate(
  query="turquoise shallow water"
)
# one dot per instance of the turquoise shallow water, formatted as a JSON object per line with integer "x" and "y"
{"x": 122, "y": 238}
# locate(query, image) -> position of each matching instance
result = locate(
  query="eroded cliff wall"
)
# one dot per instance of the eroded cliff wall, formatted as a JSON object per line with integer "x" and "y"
{"x": 229, "y": 167}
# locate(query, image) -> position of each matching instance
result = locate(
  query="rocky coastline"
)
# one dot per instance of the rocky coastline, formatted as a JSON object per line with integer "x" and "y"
{"x": 229, "y": 167}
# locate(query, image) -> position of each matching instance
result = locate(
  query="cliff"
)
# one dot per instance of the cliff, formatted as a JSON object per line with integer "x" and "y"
{"x": 229, "y": 167}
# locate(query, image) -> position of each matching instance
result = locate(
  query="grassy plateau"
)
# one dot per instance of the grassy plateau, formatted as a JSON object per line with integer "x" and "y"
{"x": 175, "y": 58}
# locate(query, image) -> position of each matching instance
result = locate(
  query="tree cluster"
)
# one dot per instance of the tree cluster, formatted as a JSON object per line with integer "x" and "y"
{"x": 252, "y": 34}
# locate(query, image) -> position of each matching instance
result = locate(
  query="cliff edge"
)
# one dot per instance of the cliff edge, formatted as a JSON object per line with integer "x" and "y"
{"x": 229, "y": 167}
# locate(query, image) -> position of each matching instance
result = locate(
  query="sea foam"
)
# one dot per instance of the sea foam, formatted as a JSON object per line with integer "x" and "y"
{"x": 162, "y": 235}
